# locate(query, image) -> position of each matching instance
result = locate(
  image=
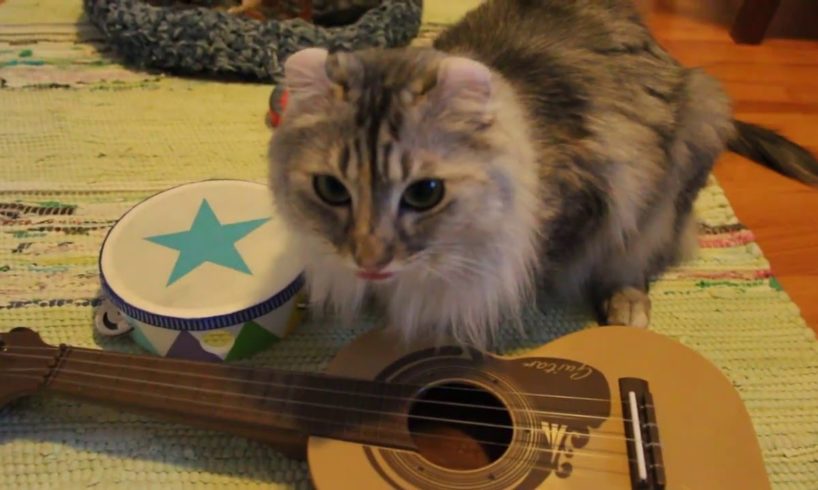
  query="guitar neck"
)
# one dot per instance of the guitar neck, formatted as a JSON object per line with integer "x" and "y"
{"x": 277, "y": 407}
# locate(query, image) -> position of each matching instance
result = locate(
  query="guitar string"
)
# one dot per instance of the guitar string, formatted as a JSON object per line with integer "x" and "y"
{"x": 601, "y": 434}
{"x": 483, "y": 407}
{"x": 251, "y": 369}
{"x": 596, "y": 453}
{"x": 92, "y": 352}
{"x": 82, "y": 351}
{"x": 343, "y": 392}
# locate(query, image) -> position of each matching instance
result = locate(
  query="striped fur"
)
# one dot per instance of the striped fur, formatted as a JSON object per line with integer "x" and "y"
{"x": 571, "y": 145}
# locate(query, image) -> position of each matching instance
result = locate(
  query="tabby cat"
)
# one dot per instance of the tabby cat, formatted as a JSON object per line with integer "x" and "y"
{"x": 548, "y": 143}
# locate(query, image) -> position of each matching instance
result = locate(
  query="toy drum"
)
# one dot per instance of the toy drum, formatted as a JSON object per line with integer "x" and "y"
{"x": 203, "y": 271}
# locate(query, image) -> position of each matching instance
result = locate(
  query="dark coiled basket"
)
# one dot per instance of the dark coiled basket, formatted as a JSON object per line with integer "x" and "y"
{"x": 207, "y": 42}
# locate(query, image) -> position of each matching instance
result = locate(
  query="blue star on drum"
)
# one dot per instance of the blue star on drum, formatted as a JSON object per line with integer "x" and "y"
{"x": 207, "y": 240}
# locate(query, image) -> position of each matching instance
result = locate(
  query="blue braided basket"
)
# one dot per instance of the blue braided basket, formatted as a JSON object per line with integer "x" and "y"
{"x": 207, "y": 42}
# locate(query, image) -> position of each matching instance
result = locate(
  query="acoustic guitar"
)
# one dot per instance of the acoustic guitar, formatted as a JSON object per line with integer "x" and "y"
{"x": 602, "y": 408}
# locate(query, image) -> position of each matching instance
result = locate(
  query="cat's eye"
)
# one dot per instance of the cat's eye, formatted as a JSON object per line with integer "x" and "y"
{"x": 423, "y": 194}
{"x": 331, "y": 190}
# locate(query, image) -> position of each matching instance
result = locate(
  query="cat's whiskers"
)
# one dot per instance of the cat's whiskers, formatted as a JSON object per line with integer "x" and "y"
{"x": 422, "y": 261}
{"x": 459, "y": 263}
{"x": 454, "y": 263}
{"x": 429, "y": 268}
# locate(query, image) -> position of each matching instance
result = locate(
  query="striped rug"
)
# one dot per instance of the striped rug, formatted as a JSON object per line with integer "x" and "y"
{"x": 83, "y": 138}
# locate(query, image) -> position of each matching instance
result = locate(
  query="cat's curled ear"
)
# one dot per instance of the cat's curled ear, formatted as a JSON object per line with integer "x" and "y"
{"x": 462, "y": 94}
{"x": 461, "y": 77}
{"x": 315, "y": 73}
{"x": 305, "y": 73}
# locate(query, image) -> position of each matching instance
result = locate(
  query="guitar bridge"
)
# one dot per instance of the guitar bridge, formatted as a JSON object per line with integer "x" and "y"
{"x": 644, "y": 449}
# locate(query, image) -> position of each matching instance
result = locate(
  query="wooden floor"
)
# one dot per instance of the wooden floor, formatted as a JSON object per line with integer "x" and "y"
{"x": 775, "y": 84}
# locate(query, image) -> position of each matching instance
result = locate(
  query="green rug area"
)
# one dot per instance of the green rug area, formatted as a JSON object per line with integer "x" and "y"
{"x": 82, "y": 139}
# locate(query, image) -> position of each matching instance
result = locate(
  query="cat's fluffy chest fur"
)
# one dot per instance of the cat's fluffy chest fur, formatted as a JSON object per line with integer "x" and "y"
{"x": 539, "y": 141}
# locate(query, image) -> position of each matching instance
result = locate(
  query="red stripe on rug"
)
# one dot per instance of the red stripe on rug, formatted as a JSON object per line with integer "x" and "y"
{"x": 727, "y": 240}
{"x": 741, "y": 275}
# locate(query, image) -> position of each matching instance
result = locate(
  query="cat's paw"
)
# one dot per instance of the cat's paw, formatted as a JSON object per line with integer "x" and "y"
{"x": 628, "y": 306}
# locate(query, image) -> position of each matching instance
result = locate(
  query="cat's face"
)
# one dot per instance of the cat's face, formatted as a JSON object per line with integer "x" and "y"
{"x": 392, "y": 161}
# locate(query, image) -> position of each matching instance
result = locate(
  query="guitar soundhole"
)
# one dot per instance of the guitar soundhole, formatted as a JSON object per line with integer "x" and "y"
{"x": 460, "y": 426}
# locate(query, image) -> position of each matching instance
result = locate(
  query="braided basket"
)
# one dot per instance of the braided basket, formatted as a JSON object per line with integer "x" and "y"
{"x": 203, "y": 41}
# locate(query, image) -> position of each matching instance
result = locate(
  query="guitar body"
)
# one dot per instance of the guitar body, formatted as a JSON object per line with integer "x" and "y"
{"x": 706, "y": 437}
{"x": 603, "y": 408}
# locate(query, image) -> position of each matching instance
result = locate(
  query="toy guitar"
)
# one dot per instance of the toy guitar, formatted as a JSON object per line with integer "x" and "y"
{"x": 603, "y": 408}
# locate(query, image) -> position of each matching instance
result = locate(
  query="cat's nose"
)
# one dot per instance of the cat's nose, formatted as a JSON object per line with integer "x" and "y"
{"x": 371, "y": 253}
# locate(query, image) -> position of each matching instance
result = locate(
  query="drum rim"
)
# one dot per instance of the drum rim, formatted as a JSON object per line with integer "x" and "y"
{"x": 194, "y": 323}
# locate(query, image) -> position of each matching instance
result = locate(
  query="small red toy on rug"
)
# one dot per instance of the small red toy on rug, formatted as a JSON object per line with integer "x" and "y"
{"x": 278, "y": 101}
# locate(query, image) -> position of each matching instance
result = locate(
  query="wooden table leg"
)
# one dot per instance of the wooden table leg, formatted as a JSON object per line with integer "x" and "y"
{"x": 752, "y": 20}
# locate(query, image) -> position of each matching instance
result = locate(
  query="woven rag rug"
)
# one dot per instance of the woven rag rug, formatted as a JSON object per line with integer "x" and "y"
{"x": 83, "y": 138}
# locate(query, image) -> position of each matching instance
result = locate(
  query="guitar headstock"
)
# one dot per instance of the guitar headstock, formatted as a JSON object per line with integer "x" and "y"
{"x": 25, "y": 362}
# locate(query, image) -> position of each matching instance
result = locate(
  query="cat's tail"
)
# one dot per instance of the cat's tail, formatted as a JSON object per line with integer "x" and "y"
{"x": 774, "y": 151}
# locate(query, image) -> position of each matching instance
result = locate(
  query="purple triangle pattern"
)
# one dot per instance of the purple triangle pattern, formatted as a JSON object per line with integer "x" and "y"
{"x": 187, "y": 347}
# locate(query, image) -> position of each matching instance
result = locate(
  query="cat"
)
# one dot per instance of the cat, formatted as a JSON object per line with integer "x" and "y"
{"x": 537, "y": 143}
